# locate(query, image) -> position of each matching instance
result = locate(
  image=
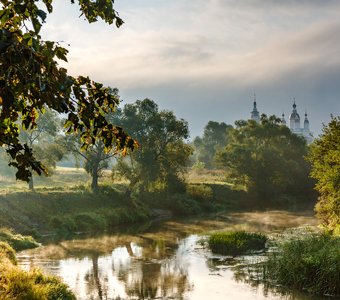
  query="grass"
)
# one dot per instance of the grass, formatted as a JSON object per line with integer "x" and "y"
{"x": 236, "y": 242}
{"x": 33, "y": 285}
{"x": 68, "y": 211}
{"x": 310, "y": 263}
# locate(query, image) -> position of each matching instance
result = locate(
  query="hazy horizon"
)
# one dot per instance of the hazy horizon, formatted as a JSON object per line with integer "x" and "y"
{"x": 205, "y": 59}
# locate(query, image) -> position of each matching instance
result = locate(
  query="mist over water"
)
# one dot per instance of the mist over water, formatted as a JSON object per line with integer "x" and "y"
{"x": 162, "y": 261}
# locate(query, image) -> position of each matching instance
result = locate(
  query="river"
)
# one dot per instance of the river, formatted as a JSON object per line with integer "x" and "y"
{"x": 163, "y": 260}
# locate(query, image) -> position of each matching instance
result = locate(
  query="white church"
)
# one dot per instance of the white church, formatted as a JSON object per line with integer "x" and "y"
{"x": 294, "y": 122}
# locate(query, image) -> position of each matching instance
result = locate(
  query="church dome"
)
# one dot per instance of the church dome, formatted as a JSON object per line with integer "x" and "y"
{"x": 306, "y": 119}
{"x": 294, "y": 115}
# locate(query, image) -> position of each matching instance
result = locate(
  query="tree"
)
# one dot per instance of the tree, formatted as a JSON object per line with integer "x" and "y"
{"x": 31, "y": 80}
{"x": 95, "y": 157}
{"x": 324, "y": 156}
{"x": 43, "y": 140}
{"x": 162, "y": 155}
{"x": 215, "y": 137}
{"x": 267, "y": 158}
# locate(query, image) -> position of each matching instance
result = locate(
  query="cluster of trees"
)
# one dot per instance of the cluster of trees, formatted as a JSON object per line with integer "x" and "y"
{"x": 267, "y": 158}
{"x": 324, "y": 156}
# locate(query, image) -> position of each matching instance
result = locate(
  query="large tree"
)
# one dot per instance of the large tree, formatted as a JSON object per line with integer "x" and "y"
{"x": 162, "y": 155}
{"x": 31, "y": 79}
{"x": 325, "y": 158}
{"x": 267, "y": 158}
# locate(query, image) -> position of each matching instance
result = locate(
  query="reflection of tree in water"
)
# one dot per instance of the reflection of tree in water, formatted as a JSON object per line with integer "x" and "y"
{"x": 160, "y": 279}
{"x": 154, "y": 273}
{"x": 96, "y": 280}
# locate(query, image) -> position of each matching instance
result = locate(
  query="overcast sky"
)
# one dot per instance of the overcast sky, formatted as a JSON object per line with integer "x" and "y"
{"x": 204, "y": 59}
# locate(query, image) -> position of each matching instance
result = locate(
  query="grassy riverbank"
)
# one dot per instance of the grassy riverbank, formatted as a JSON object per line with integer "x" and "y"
{"x": 67, "y": 211}
{"x": 61, "y": 204}
{"x": 16, "y": 283}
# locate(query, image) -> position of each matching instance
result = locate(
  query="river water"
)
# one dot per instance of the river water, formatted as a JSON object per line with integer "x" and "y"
{"x": 164, "y": 260}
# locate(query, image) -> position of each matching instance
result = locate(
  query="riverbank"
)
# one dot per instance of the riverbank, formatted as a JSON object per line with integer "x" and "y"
{"x": 42, "y": 212}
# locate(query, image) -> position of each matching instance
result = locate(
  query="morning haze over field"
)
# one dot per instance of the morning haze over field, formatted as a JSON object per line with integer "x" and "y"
{"x": 206, "y": 59}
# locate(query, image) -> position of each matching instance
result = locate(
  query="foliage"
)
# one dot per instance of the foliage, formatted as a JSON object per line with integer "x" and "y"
{"x": 17, "y": 241}
{"x": 236, "y": 242}
{"x": 310, "y": 262}
{"x": 324, "y": 156}
{"x": 31, "y": 81}
{"x": 215, "y": 137}
{"x": 96, "y": 157}
{"x": 34, "y": 285}
{"x": 267, "y": 158}
{"x": 163, "y": 154}
{"x": 44, "y": 140}
{"x": 6, "y": 251}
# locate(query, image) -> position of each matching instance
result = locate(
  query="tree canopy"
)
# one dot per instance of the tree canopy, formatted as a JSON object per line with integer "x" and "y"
{"x": 215, "y": 137}
{"x": 266, "y": 157}
{"x": 31, "y": 81}
{"x": 325, "y": 159}
{"x": 163, "y": 153}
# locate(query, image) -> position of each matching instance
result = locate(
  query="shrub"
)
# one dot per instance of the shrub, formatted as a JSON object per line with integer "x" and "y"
{"x": 18, "y": 284}
{"x": 33, "y": 285}
{"x": 17, "y": 241}
{"x": 310, "y": 263}
{"x": 200, "y": 192}
{"x": 89, "y": 221}
{"x": 236, "y": 242}
{"x": 62, "y": 224}
{"x": 7, "y": 251}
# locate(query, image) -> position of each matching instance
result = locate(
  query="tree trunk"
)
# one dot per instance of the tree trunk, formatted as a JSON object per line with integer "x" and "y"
{"x": 31, "y": 184}
{"x": 94, "y": 184}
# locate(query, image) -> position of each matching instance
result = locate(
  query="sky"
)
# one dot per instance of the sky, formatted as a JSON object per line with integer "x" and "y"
{"x": 204, "y": 60}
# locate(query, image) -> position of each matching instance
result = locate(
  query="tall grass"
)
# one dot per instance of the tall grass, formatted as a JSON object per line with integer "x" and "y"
{"x": 33, "y": 285}
{"x": 236, "y": 242}
{"x": 310, "y": 263}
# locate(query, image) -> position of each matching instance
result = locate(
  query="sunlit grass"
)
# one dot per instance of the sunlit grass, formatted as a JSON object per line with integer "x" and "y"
{"x": 236, "y": 242}
{"x": 307, "y": 262}
{"x": 33, "y": 285}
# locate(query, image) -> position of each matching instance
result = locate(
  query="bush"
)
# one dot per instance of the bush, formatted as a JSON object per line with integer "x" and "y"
{"x": 237, "y": 242}
{"x": 17, "y": 241}
{"x": 180, "y": 204}
{"x": 18, "y": 284}
{"x": 200, "y": 192}
{"x": 6, "y": 251}
{"x": 62, "y": 224}
{"x": 90, "y": 221}
{"x": 33, "y": 285}
{"x": 310, "y": 263}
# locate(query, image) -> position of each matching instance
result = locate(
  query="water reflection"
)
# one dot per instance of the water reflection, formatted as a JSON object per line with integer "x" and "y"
{"x": 163, "y": 262}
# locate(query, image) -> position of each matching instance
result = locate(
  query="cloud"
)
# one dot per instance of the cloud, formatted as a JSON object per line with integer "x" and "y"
{"x": 186, "y": 54}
